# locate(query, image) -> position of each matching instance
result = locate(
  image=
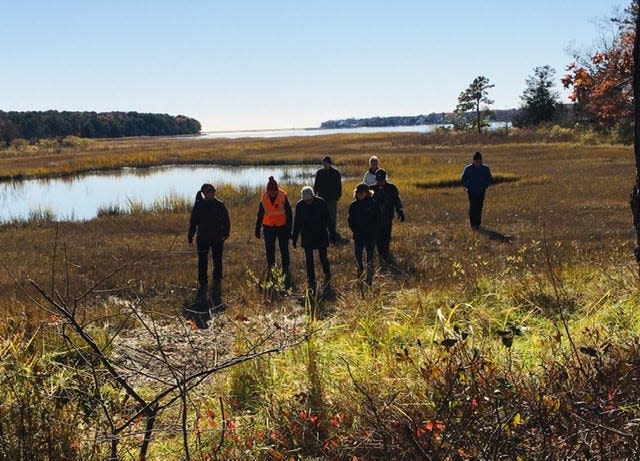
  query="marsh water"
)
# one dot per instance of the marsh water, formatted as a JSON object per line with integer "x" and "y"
{"x": 81, "y": 197}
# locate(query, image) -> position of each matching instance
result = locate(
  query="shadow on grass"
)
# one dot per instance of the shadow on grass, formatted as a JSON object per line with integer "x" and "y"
{"x": 495, "y": 235}
{"x": 198, "y": 311}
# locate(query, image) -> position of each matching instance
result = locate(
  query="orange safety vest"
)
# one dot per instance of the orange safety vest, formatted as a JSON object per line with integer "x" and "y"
{"x": 274, "y": 213}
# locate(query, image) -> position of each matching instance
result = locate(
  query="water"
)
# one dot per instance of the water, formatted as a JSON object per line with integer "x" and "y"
{"x": 80, "y": 197}
{"x": 320, "y": 132}
{"x": 316, "y": 132}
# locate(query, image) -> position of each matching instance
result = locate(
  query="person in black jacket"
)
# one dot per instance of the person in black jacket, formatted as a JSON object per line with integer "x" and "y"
{"x": 313, "y": 222}
{"x": 328, "y": 185}
{"x": 211, "y": 219}
{"x": 387, "y": 199}
{"x": 364, "y": 219}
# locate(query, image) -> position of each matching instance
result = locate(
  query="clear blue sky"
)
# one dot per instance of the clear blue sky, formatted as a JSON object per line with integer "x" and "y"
{"x": 236, "y": 64}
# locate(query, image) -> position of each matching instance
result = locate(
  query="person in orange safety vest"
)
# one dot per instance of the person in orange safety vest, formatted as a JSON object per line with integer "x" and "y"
{"x": 275, "y": 217}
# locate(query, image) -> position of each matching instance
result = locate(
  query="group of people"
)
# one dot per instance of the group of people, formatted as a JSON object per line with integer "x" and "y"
{"x": 370, "y": 219}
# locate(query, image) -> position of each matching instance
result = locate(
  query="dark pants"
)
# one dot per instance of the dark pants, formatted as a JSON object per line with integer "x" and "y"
{"x": 360, "y": 245}
{"x": 476, "y": 201}
{"x": 282, "y": 234}
{"x": 324, "y": 261}
{"x": 203, "y": 256}
{"x": 333, "y": 211}
{"x": 384, "y": 242}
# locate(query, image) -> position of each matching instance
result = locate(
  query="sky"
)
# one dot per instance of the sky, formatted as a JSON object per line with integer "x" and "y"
{"x": 241, "y": 64}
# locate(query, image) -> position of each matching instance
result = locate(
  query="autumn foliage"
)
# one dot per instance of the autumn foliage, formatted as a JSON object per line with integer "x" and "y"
{"x": 602, "y": 88}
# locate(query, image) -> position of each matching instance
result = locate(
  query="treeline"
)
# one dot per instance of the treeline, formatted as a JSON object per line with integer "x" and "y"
{"x": 53, "y": 124}
{"x": 410, "y": 120}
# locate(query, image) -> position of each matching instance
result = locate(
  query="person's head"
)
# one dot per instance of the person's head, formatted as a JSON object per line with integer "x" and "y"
{"x": 477, "y": 158}
{"x": 272, "y": 187}
{"x": 362, "y": 191}
{"x": 373, "y": 162}
{"x": 307, "y": 194}
{"x": 381, "y": 177}
{"x": 208, "y": 191}
{"x": 326, "y": 162}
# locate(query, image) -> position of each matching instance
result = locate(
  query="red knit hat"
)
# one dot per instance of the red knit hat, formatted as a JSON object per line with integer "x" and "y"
{"x": 272, "y": 184}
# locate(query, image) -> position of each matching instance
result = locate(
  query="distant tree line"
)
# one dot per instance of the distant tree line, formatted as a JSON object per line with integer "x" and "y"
{"x": 410, "y": 120}
{"x": 52, "y": 124}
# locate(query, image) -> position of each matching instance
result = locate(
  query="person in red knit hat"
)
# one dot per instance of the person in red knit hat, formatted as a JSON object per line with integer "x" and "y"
{"x": 275, "y": 217}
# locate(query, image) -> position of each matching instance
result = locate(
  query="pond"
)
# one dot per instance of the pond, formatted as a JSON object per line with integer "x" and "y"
{"x": 81, "y": 197}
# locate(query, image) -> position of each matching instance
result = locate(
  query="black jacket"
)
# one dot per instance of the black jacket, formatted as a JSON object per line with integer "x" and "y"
{"x": 313, "y": 222}
{"x": 364, "y": 219}
{"x": 387, "y": 199}
{"x": 211, "y": 219}
{"x": 328, "y": 184}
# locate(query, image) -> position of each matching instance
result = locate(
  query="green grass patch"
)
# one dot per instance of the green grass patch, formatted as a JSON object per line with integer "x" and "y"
{"x": 450, "y": 181}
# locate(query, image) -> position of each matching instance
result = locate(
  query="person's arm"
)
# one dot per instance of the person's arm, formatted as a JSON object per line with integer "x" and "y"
{"x": 296, "y": 226}
{"x": 226, "y": 223}
{"x": 339, "y": 185}
{"x": 490, "y": 177}
{"x": 465, "y": 180}
{"x": 398, "y": 205}
{"x": 331, "y": 225}
{"x": 316, "y": 184}
{"x": 259, "y": 219}
{"x": 193, "y": 224}
{"x": 351, "y": 219}
{"x": 288, "y": 213}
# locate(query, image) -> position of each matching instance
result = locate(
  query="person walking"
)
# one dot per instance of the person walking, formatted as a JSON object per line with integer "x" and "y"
{"x": 275, "y": 218}
{"x": 328, "y": 186}
{"x": 387, "y": 199}
{"x": 364, "y": 219}
{"x": 210, "y": 218}
{"x": 313, "y": 223}
{"x": 370, "y": 176}
{"x": 476, "y": 178}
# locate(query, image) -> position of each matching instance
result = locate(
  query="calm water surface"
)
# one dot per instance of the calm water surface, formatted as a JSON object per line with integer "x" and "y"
{"x": 79, "y": 198}
{"x": 321, "y": 132}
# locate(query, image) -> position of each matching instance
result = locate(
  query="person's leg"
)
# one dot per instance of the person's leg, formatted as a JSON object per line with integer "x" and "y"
{"x": 358, "y": 249}
{"x": 270, "y": 235}
{"x": 324, "y": 260}
{"x": 480, "y": 204}
{"x": 216, "y": 253}
{"x": 216, "y": 288}
{"x": 383, "y": 244}
{"x": 333, "y": 212}
{"x": 476, "y": 202}
{"x": 203, "y": 255}
{"x": 311, "y": 273}
{"x": 283, "y": 243}
{"x": 370, "y": 246}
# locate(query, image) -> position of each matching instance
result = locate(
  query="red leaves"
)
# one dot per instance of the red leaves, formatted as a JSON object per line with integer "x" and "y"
{"x": 433, "y": 427}
{"x": 604, "y": 91}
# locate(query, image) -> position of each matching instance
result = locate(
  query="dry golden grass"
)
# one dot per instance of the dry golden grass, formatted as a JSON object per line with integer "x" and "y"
{"x": 575, "y": 196}
{"x": 568, "y": 199}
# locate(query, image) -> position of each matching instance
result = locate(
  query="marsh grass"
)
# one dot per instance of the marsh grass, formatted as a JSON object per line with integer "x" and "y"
{"x": 387, "y": 373}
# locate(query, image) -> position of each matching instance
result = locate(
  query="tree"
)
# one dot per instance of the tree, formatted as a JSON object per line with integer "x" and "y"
{"x": 539, "y": 99}
{"x": 635, "y": 194}
{"x": 602, "y": 82}
{"x": 472, "y": 99}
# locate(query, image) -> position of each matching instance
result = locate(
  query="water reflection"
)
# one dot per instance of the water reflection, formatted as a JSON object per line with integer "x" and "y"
{"x": 80, "y": 197}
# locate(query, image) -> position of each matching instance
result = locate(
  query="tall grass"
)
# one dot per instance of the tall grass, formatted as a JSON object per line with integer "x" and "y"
{"x": 519, "y": 342}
